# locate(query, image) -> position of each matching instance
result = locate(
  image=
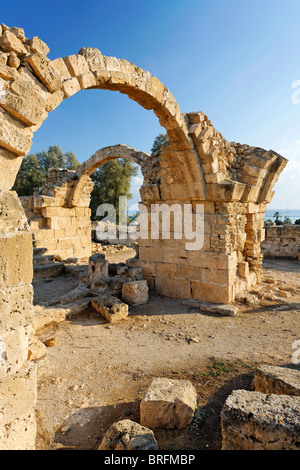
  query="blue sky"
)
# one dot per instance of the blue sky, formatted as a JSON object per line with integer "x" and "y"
{"x": 235, "y": 60}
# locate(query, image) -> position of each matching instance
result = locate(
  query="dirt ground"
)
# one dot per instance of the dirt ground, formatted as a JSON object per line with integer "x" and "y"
{"x": 97, "y": 373}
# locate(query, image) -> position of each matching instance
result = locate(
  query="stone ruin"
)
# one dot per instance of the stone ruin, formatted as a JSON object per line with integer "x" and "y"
{"x": 234, "y": 183}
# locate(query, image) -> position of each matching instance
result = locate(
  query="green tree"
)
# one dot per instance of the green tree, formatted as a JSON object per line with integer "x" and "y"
{"x": 297, "y": 222}
{"x": 71, "y": 161}
{"x": 111, "y": 180}
{"x": 277, "y": 216}
{"x": 287, "y": 220}
{"x": 159, "y": 141}
{"x": 35, "y": 167}
{"x": 30, "y": 176}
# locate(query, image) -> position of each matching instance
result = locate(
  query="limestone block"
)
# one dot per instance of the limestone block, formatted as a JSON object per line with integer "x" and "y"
{"x": 87, "y": 80}
{"x": 174, "y": 288}
{"x": 169, "y": 404}
{"x": 13, "y": 139}
{"x": 167, "y": 270}
{"x": 277, "y": 380}
{"x": 255, "y": 421}
{"x": 24, "y": 109}
{"x": 135, "y": 293}
{"x": 12, "y": 215}
{"x": 76, "y": 65}
{"x": 243, "y": 269}
{"x": 29, "y": 87}
{"x": 98, "y": 269}
{"x": 135, "y": 273}
{"x": 13, "y": 60}
{"x": 13, "y": 350}
{"x": 38, "y": 46}
{"x": 175, "y": 256}
{"x": 70, "y": 87}
{"x": 110, "y": 307}
{"x": 16, "y": 259}
{"x": 10, "y": 42}
{"x": 94, "y": 58}
{"x": 3, "y": 58}
{"x": 36, "y": 350}
{"x": 17, "y": 394}
{"x": 45, "y": 71}
{"x": 212, "y": 292}
{"x": 128, "y": 435}
{"x": 191, "y": 273}
{"x": 150, "y": 254}
{"x": 212, "y": 260}
{"x": 20, "y": 434}
{"x": 60, "y": 66}
{"x": 18, "y": 32}
{"x": 16, "y": 307}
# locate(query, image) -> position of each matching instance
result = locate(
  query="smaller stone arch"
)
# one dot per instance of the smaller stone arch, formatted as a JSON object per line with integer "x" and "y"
{"x": 101, "y": 156}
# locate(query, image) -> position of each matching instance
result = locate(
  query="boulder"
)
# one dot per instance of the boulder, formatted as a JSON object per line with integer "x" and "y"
{"x": 278, "y": 380}
{"x": 110, "y": 307}
{"x": 128, "y": 435}
{"x": 256, "y": 421}
{"x": 135, "y": 292}
{"x": 168, "y": 404}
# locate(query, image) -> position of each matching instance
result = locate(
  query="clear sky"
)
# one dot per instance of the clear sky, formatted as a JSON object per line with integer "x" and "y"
{"x": 235, "y": 60}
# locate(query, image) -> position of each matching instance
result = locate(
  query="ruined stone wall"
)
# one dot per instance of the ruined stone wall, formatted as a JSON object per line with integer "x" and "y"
{"x": 234, "y": 181}
{"x": 65, "y": 231}
{"x": 225, "y": 266}
{"x": 282, "y": 241}
{"x": 17, "y": 378}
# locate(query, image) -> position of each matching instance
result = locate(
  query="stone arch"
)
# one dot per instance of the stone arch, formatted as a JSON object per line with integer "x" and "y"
{"x": 101, "y": 156}
{"x": 40, "y": 85}
{"x": 232, "y": 181}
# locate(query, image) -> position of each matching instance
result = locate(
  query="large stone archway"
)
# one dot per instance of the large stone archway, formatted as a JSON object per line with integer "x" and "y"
{"x": 234, "y": 183}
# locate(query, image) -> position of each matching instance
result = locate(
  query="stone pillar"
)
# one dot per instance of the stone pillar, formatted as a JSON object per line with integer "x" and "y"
{"x": 18, "y": 380}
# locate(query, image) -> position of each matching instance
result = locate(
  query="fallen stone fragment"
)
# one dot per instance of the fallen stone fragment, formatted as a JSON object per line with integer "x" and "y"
{"x": 255, "y": 421}
{"x": 44, "y": 315}
{"x": 135, "y": 292}
{"x": 222, "y": 309}
{"x": 168, "y": 404}
{"x": 128, "y": 435}
{"x": 50, "y": 342}
{"x": 36, "y": 350}
{"x": 110, "y": 308}
{"x": 277, "y": 380}
{"x": 79, "y": 292}
{"x": 10, "y": 42}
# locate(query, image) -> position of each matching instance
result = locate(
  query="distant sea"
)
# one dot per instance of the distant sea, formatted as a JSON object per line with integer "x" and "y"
{"x": 292, "y": 214}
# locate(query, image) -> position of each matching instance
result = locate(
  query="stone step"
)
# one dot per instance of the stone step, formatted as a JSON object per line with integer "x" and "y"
{"x": 47, "y": 270}
{"x": 39, "y": 251}
{"x": 42, "y": 260}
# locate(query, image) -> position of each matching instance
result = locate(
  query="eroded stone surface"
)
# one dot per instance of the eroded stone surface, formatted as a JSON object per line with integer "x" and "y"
{"x": 128, "y": 435}
{"x": 278, "y": 380}
{"x": 110, "y": 308}
{"x": 169, "y": 404}
{"x": 135, "y": 292}
{"x": 256, "y": 421}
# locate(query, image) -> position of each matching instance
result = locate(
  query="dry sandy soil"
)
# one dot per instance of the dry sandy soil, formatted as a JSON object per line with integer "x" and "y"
{"x": 97, "y": 373}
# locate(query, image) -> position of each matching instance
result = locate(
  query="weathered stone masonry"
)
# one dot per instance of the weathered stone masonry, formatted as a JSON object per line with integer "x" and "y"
{"x": 233, "y": 181}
